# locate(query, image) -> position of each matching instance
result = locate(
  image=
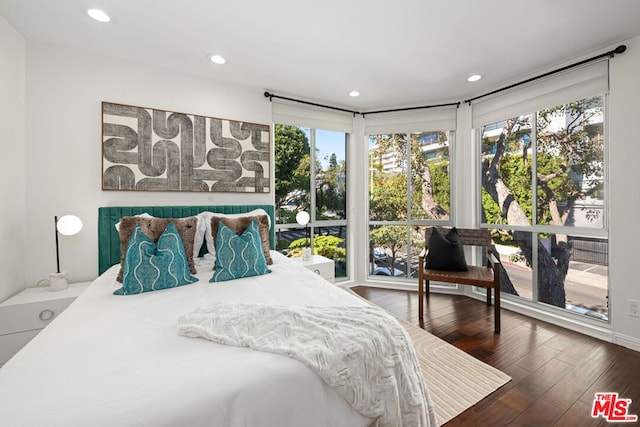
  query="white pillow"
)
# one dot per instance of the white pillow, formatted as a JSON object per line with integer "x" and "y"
{"x": 143, "y": 215}
{"x": 201, "y": 229}
{"x": 204, "y": 225}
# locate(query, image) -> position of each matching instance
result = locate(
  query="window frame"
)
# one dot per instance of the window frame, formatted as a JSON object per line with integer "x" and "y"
{"x": 410, "y": 222}
{"x": 535, "y": 228}
{"x": 314, "y": 222}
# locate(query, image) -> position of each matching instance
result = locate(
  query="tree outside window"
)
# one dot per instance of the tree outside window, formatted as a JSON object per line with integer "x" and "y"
{"x": 409, "y": 186}
{"x": 543, "y": 194}
{"x": 311, "y": 176}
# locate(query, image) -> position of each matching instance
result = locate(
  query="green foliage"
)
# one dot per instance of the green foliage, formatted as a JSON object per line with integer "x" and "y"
{"x": 293, "y": 176}
{"x": 291, "y": 146}
{"x": 331, "y": 191}
{"x": 300, "y": 243}
{"x": 287, "y": 216}
{"x": 569, "y": 165}
{"x": 392, "y": 237}
{"x": 578, "y": 148}
{"x": 388, "y": 198}
{"x": 333, "y": 161}
{"x": 569, "y": 161}
{"x": 388, "y": 192}
{"x": 492, "y": 212}
{"x": 327, "y": 246}
{"x": 441, "y": 182}
{"x": 516, "y": 174}
{"x": 561, "y": 187}
{"x": 281, "y": 245}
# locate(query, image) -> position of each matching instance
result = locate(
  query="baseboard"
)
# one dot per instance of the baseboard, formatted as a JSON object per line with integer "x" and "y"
{"x": 400, "y": 286}
{"x": 410, "y": 286}
{"x": 583, "y": 326}
{"x": 627, "y": 341}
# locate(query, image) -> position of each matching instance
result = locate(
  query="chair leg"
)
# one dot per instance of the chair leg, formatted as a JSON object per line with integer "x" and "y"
{"x": 421, "y": 294}
{"x": 488, "y": 296}
{"x": 420, "y": 297}
{"x": 496, "y": 309}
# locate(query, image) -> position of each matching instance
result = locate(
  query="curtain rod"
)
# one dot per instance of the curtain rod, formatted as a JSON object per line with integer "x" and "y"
{"x": 271, "y": 96}
{"x": 610, "y": 54}
{"x": 393, "y": 110}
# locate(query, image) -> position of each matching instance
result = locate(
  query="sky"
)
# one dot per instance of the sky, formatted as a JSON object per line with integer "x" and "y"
{"x": 328, "y": 142}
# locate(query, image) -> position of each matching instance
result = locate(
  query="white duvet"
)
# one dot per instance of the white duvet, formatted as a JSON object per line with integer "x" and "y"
{"x": 118, "y": 361}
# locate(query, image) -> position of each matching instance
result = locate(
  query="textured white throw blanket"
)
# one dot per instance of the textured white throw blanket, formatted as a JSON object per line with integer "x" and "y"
{"x": 363, "y": 353}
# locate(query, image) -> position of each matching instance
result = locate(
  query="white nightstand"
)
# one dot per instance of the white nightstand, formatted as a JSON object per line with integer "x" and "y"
{"x": 25, "y": 314}
{"x": 320, "y": 265}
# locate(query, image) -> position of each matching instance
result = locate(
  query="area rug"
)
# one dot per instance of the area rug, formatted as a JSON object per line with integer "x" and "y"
{"x": 455, "y": 379}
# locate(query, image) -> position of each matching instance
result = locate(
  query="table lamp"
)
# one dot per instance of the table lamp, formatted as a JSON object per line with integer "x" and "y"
{"x": 302, "y": 218}
{"x": 67, "y": 225}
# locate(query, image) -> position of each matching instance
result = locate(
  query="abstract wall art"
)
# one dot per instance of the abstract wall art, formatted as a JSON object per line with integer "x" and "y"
{"x": 145, "y": 149}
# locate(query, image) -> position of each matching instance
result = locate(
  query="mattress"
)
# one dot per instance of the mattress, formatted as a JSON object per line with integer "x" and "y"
{"x": 119, "y": 361}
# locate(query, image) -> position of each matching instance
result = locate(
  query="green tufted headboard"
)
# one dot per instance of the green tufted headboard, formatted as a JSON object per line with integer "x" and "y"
{"x": 109, "y": 241}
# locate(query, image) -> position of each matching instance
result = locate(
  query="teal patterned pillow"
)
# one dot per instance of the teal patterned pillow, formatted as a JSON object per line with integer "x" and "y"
{"x": 239, "y": 255}
{"x": 151, "y": 266}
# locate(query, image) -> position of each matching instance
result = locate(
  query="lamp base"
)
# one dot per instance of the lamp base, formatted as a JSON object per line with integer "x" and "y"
{"x": 306, "y": 254}
{"x": 58, "y": 282}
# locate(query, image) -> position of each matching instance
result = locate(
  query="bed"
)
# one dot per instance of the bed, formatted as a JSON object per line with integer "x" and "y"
{"x": 119, "y": 360}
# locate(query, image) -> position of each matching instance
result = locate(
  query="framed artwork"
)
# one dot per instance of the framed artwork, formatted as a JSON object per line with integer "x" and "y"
{"x": 144, "y": 149}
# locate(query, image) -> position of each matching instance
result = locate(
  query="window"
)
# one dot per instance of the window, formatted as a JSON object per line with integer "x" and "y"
{"x": 409, "y": 187}
{"x": 543, "y": 197}
{"x": 311, "y": 176}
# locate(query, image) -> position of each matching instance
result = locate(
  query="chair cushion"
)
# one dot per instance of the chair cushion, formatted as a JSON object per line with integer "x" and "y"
{"x": 446, "y": 253}
{"x": 476, "y": 276}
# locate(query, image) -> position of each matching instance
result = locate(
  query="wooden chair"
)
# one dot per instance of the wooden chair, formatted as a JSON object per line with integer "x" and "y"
{"x": 487, "y": 277}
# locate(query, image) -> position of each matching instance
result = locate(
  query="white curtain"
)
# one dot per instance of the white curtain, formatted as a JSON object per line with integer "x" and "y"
{"x": 291, "y": 113}
{"x": 571, "y": 85}
{"x": 426, "y": 119}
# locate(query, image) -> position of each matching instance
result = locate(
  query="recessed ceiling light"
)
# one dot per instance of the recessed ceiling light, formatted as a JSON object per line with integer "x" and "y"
{"x": 217, "y": 59}
{"x": 98, "y": 15}
{"x": 474, "y": 78}
{"x": 354, "y": 93}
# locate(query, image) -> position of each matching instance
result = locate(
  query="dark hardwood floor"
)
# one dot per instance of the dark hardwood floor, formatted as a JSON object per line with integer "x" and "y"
{"x": 555, "y": 372}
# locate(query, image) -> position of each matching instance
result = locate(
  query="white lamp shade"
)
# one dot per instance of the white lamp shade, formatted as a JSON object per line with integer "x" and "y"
{"x": 302, "y": 218}
{"x": 69, "y": 225}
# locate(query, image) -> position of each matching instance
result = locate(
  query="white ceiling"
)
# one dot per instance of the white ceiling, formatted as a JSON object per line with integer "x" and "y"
{"x": 398, "y": 53}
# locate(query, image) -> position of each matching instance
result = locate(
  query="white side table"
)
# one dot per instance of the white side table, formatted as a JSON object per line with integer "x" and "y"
{"x": 320, "y": 265}
{"x": 28, "y": 312}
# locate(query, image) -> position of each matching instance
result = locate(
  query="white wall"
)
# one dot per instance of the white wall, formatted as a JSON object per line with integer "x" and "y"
{"x": 624, "y": 155}
{"x": 65, "y": 89}
{"x": 12, "y": 177}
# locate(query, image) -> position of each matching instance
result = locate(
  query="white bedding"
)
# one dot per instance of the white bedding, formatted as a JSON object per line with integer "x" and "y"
{"x": 363, "y": 353}
{"x": 118, "y": 361}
